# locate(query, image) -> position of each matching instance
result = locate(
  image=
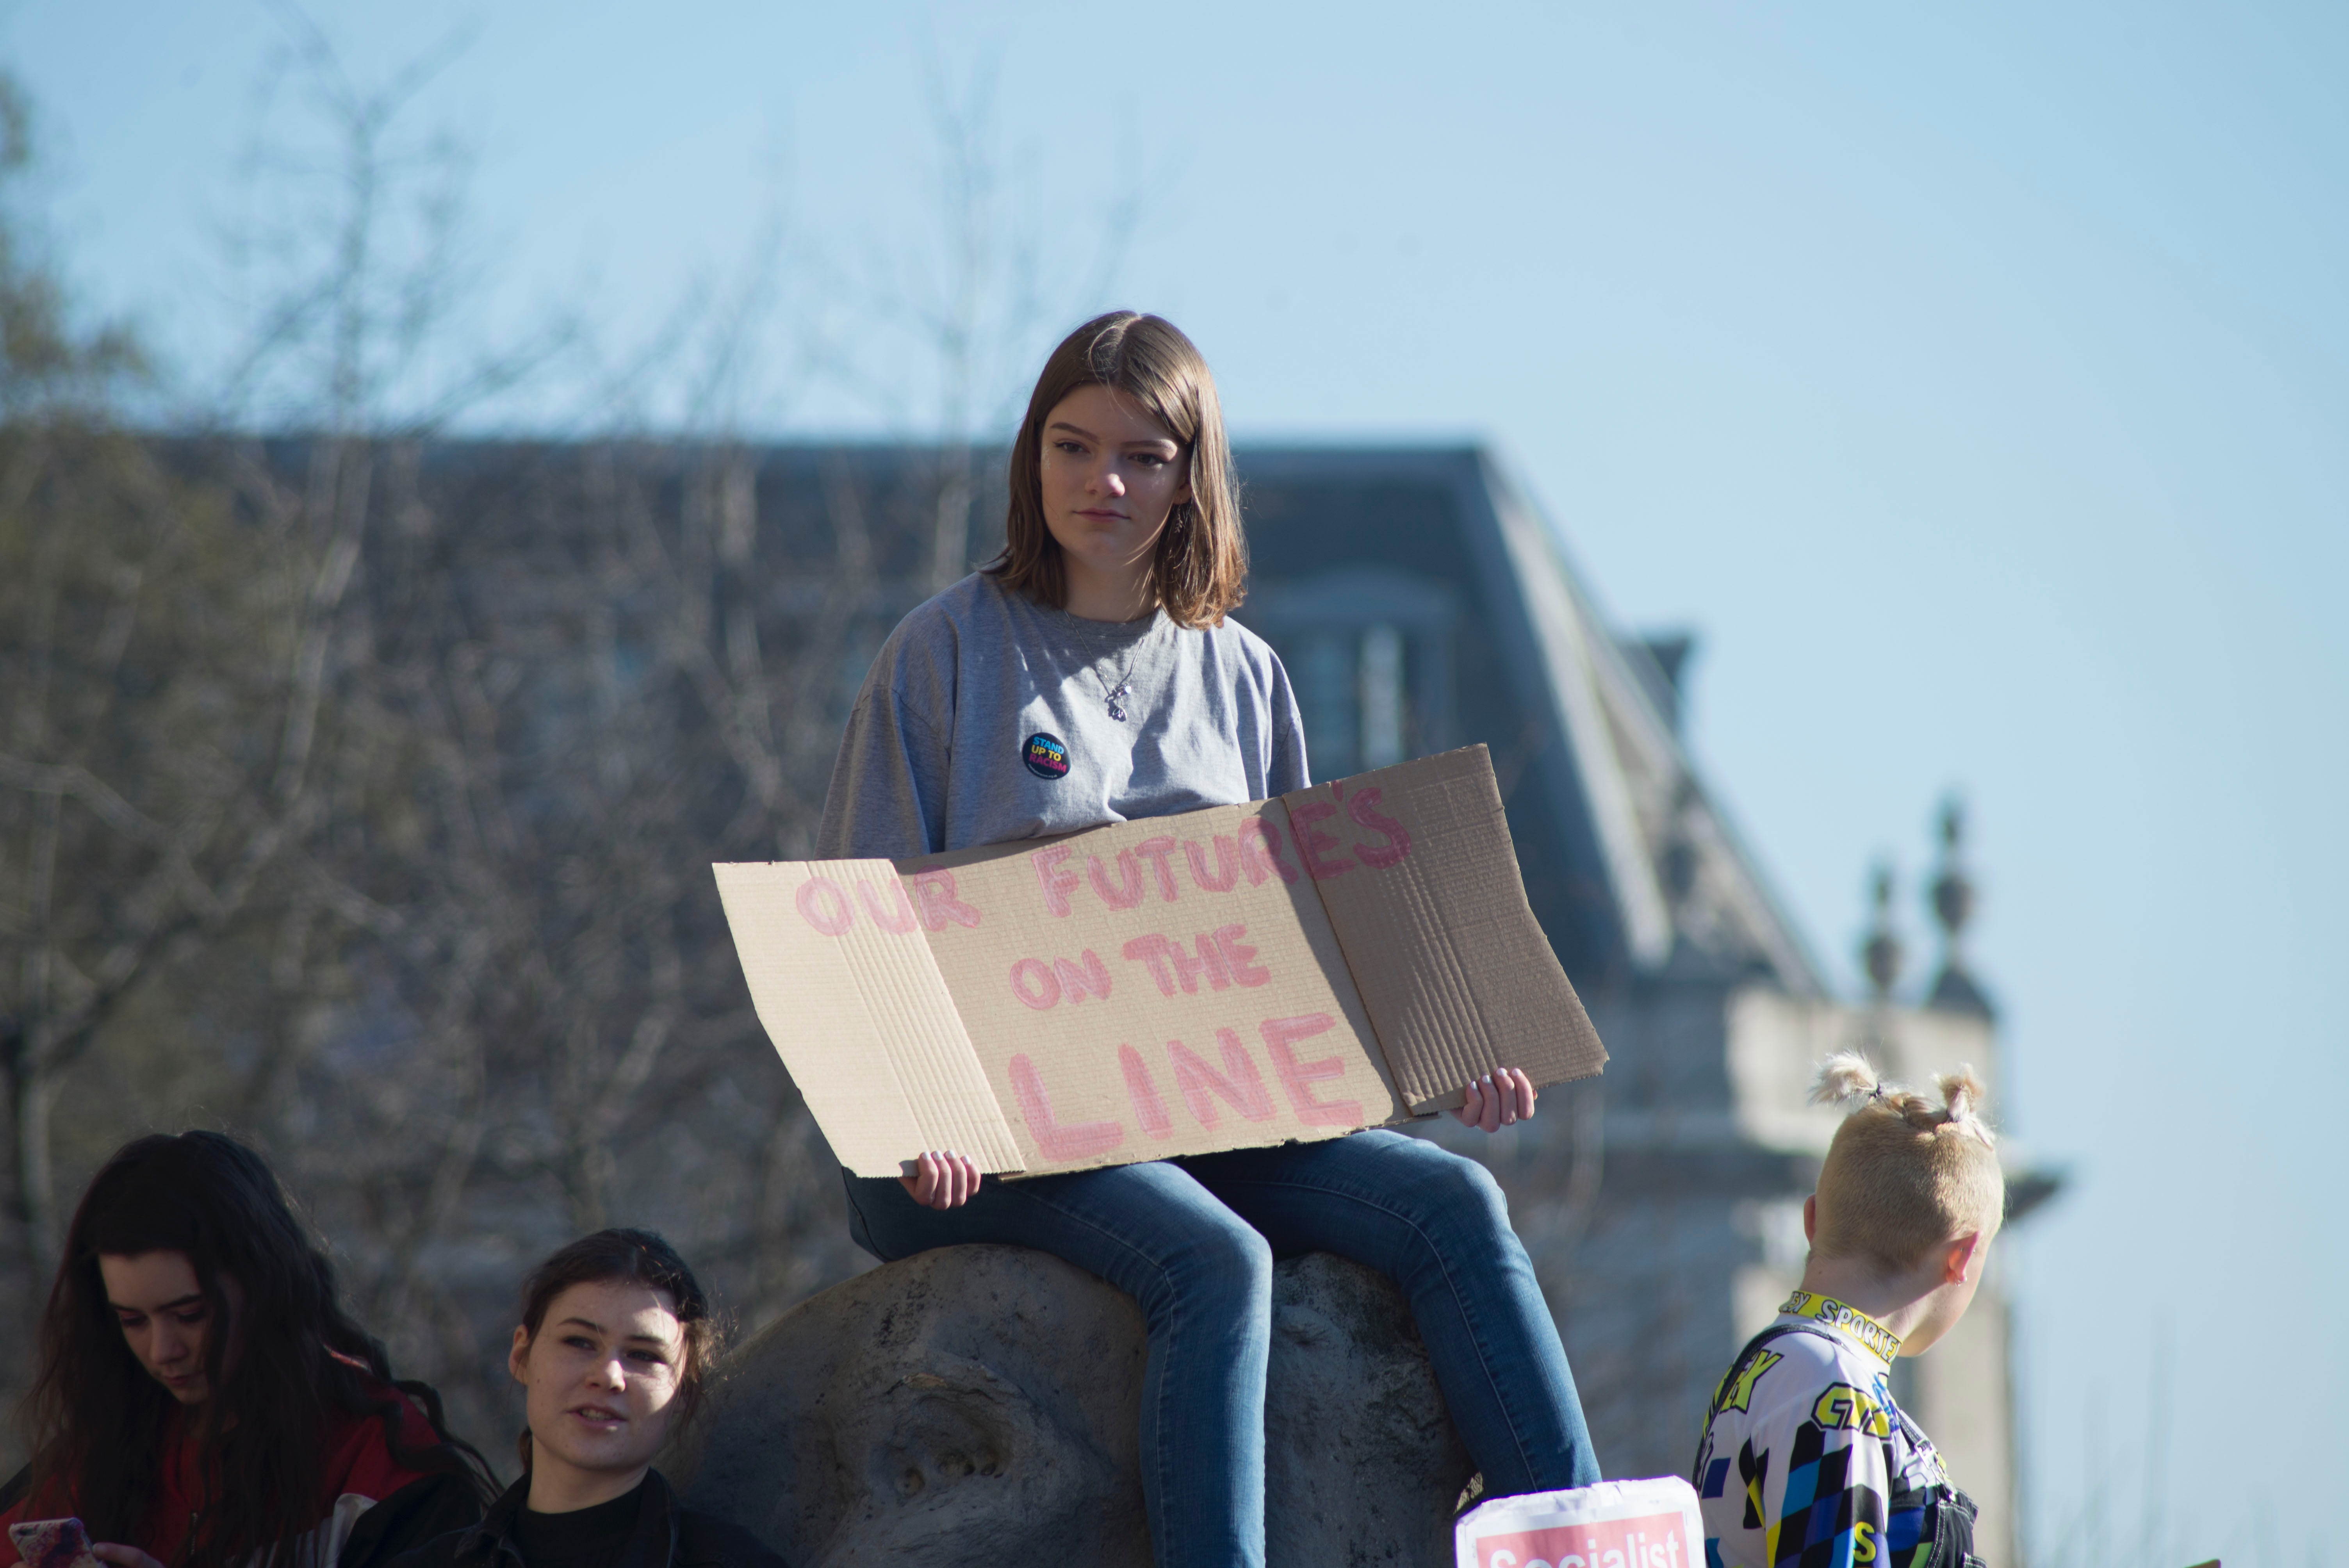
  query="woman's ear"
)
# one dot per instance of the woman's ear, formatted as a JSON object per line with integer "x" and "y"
{"x": 518, "y": 1359}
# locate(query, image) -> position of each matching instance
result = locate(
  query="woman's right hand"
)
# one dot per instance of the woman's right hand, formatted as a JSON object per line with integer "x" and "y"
{"x": 122, "y": 1556}
{"x": 942, "y": 1181}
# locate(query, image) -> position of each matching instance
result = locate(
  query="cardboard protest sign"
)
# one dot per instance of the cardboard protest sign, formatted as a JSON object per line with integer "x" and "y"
{"x": 1348, "y": 956}
{"x": 1614, "y": 1525}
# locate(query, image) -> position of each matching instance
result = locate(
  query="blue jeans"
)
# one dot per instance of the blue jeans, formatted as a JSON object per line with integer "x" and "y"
{"x": 1193, "y": 1241}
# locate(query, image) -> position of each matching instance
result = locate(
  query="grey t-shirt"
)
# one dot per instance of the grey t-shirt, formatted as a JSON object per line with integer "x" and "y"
{"x": 987, "y": 718}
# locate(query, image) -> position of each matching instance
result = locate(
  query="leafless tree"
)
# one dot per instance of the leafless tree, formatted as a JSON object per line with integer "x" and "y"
{"x": 974, "y": 297}
{"x": 560, "y": 700}
{"x": 164, "y": 692}
{"x": 359, "y": 784}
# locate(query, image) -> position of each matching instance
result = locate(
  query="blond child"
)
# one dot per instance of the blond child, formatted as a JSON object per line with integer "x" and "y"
{"x": 1807, "y": 1461}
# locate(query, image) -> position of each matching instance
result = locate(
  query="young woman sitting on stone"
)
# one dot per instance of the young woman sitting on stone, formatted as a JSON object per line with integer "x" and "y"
{"x": 1090, "y": 675}
{"x": 613, "y": 1350}
{"x": 200, "y": 1398}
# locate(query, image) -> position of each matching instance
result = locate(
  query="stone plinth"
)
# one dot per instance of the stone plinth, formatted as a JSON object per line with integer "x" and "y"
{"x": 981, "y": 1406}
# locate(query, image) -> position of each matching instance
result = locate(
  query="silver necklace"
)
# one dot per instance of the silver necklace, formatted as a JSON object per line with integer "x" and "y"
{"x": 1124, "y": 689}
{"x": 1118, "y": 693}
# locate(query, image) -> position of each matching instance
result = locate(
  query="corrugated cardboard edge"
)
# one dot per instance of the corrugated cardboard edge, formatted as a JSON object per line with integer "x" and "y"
{"x": 1444, "y": 947}
{"x": 862, "y": 1019}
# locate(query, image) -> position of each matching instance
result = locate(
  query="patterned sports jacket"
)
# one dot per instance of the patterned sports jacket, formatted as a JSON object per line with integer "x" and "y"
{"x": 1807, "y": 1461}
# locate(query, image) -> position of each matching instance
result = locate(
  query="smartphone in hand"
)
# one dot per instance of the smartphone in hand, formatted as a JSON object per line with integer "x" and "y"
{"x": 53, "y": 1543}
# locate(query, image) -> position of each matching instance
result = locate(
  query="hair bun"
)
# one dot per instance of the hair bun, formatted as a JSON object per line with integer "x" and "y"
{"x": 1844, "y": 1077}
{"x": 1964, "y": 1093}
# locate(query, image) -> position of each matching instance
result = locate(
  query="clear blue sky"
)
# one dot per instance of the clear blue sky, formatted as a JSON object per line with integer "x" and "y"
{"x": 1975, "y": 379}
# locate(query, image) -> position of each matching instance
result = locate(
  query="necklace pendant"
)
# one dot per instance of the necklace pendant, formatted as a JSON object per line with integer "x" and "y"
{"x": 1117, "y": 702}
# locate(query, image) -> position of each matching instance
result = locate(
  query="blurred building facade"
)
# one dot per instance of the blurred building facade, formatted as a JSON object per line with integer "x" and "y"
{"x": 601, "y": 666}
{"x": 1422, "y": 603}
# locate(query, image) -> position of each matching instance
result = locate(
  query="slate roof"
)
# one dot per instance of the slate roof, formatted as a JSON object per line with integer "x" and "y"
{"x": 1632, "y": 864}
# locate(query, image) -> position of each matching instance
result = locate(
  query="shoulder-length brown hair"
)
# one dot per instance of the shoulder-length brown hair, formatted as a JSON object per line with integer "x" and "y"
{"x": 1201, "y": 568}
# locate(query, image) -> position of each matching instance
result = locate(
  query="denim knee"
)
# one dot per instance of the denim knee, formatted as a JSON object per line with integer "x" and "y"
{"x": 1459, "y": 1191}
{"x": 1219, "y": 1263}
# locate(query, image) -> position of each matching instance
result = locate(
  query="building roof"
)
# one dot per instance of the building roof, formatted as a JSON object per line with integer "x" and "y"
{"x": 1629, "y": 860}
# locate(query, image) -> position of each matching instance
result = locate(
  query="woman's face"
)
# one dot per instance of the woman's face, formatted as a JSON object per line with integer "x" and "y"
{"x": 166, "y": 1321}
{"x": 1111, "y": 475}
{"x": 601, "y": 1375}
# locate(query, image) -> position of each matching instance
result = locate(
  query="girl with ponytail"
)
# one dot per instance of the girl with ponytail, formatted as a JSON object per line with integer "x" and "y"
{"x": 1806, "y": 1458}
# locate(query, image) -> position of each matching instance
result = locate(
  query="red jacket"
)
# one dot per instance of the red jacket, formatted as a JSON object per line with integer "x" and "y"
{"x": 370, "y": 1506}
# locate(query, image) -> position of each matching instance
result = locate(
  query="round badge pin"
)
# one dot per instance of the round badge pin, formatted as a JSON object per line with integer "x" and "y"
{"x": 1046, "y": 755}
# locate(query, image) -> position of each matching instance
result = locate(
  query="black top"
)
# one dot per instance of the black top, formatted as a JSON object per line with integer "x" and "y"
{"x": 583, "y": 1537}
{"x": 411, "y": 1519}
{"x": 647, "y": 1529}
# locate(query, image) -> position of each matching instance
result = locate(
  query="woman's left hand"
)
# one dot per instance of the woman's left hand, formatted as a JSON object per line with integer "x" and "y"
{"x": 122, "y": 1556}
{"x": 1502, "y": 1098}
{"x": 943, "y": 1181}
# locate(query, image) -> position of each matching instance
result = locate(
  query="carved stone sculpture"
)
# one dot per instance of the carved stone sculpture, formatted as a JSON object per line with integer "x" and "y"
{"x": 979, "y": 1405}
